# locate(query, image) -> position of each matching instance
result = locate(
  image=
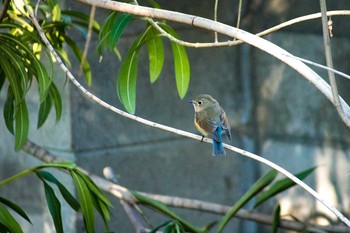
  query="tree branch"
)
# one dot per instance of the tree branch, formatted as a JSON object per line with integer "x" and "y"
{"x": 224, "y": 29}
{"x": 125, "y": 196}
{"x": 233, "y": 32}
{"x": 4, "y": 9}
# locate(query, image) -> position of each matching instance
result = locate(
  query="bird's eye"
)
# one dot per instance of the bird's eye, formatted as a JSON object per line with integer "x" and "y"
{"x": 199, "y": 102}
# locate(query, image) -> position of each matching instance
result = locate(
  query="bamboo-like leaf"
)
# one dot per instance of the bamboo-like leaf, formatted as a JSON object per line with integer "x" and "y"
{"x": 85, "y": 202}
{"x": 276, "y": 219}
{"x": 181, "y": 63}
{"x": 9, "y": 221}
{"x": 102, "y": 209}
{"x": 254, "y": 189}
{"x": 54, "y": 207}
{"x": 103, "y": 38}
{"x": 93, "y": 188}
{"x": 9, "y": 111}
{"x": 165, "y": 210}
{"x": 78, "y": 53}
{"x": 155, "y": 54}
{"x": 22, "y": 125}
{"x": 120, "y": 23}
{"x": 126, "y": 84}
{"x": 44, "y": 111}
{"x": 281, "y": 185}
{"x": 2, "y": 77}
{"x": 15, "y": 208}
{"x": 57, "y": 101}
{"x": 160, "y": 226}
{"x": 68, "y": 197}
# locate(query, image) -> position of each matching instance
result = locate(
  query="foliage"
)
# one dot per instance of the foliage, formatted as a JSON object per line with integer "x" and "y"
{"x": 21, "y": 51}
{"x": 90, "y": 198}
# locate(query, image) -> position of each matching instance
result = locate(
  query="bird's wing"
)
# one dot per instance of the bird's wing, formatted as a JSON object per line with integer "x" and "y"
{"x": 225, "y": 124}
{"x": 210, "y": 127}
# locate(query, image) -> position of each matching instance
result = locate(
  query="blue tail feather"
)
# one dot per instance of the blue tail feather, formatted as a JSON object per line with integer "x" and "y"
{"x": 218, "y": 148}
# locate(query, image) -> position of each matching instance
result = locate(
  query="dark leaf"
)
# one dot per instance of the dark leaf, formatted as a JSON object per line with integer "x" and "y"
{"x": 54, "y": 207}
{"x": 7, "y": 220}
{"x": 15, "y": 208}
{"x": 9, "y": 111}
{"x": 276, "y": 219}
{"x": 44, "y": 111}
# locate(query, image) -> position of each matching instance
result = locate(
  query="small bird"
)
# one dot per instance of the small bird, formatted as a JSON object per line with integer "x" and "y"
{"x": 211, "y": 121}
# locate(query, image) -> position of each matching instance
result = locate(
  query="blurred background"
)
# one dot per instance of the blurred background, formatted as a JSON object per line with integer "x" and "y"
{"x": 274, "y": 112}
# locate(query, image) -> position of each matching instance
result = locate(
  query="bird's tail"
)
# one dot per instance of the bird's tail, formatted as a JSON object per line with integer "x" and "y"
{"x": 218, "y": 148}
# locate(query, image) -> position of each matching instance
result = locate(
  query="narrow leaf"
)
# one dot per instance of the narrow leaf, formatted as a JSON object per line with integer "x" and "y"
{"x": 281, "y": 185}
{"x": 254, "y": 189}
{"x": 15, "y": 208}
{"x": 44, "y": 111}
{"x": 2, "y": 77}
{"x": 79, "y": 54}
{"x": 9, "y": 221}
{"x": 276, "y": 219}
{"x": 68, "y": 197}
{"x": 160, "y": 226}
{"x": 9, "y": 111}
{"x": 22, "y": 125}
{"x": 119, "y": 25}
{"x": 155, "y": 54}
{"x": 54, "y": 207}
{"x": 57, "y": 101}
{"x": 85, "y": 202}
{"x": 126, "y": 84}
{"x": 181, "y": 63}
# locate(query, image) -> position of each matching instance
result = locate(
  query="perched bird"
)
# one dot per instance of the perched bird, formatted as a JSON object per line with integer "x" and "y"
{"x": 211, "y": 121}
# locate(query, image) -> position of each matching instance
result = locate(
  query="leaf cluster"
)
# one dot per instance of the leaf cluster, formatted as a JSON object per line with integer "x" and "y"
{"x": 90, "y": 199}
{"x": 21, "y": 52}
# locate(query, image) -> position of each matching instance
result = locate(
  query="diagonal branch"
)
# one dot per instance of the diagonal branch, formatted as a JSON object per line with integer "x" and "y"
{"x": 224, "y": 29}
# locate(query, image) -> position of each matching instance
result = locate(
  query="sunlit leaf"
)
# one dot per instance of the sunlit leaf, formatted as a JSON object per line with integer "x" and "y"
{"x": 281, "y": 185}
{"x": 155, "y": 54}
{"x": 15, "y": 208}
{"x": 54, "y": 207}
{"x": 181, "y": 63}
{"x": 126, "y": 84}
{"x": 119, "y": 25}
{"x": 85, "y": 202}
{"x": 9, "y": 221}
{"x": 254, "y": 189}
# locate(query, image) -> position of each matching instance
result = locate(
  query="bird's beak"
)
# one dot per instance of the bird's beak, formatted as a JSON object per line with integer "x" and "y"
{"x": 190, "y": 102}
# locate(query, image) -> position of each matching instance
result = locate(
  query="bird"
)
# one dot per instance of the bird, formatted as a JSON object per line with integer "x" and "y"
{"x": 211, "y": 121}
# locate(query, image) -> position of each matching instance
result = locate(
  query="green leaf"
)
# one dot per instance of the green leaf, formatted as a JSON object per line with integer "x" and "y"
{"x": 155, "y": 54}
{"x": 9, "y": 111}
{"x": 85, "y": 202}
{"x": 22, "y": 125}
{"x": 44, "y": 111}
{"x": 57, "y": 101}
{"x": 9, "y": 221}
{"x": 281, "y": 185}
{"x": 276, "y": 219}
{"x": 103, "y": 39}
{"x": 120, "y": 23}
{"x": 160, "y": 226}
{"x": 68, "y": 197}
{"x": 254, "y": 189}
{"x": 15, "y": 208}
{"x": 102, "y": 209}
{"x": 79, "y": 54}
{"x": 181, "y": 63}
{"x": 93, "y": 188}
{"x": 165, "y": 210}
{"x": 126, "y": 84}
{"x": 54, "y": 207}
{"x": 2, "y": 77}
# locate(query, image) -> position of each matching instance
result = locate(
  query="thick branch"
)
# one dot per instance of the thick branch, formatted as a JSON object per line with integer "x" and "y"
{"x": 124, "y": 195}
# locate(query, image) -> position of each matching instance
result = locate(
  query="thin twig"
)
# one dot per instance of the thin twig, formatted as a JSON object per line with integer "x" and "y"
{"x": 329, "y": 61}
{"x": 4, "y": 9}
{"x": 88, "y": 38}
{"x": 216, "y": 19}
{"x": 239, "y": 14}
{"x": 204, "y": 23}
